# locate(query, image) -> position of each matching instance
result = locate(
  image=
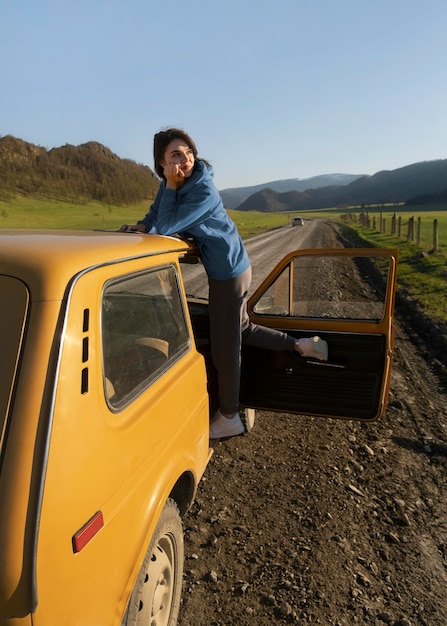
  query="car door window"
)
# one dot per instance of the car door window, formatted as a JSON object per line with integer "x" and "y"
{"x": 144, "y": 331}
{"x": 328, "y": 287}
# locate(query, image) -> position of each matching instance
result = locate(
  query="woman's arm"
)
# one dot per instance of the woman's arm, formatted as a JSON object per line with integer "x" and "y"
{"x": 149, "y": 222}
{"x": 180, "y": 212}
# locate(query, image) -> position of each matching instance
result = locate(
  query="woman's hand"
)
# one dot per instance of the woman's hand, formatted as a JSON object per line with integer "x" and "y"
{"x": 174, "y": 176}
{"x": 132, "y": 228}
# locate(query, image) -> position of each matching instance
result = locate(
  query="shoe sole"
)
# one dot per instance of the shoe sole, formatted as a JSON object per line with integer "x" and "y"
{"x": 218, "y": 439}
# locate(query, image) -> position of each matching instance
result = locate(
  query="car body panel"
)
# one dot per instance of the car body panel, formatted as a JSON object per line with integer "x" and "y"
{"x": 162, "y": 442}
{"x": 62, "y": 457}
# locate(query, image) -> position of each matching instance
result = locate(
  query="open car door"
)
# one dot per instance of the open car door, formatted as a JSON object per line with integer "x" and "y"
{"x": 344, "y": 295}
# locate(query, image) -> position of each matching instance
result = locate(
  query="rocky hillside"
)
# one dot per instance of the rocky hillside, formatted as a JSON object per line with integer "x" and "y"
{"x": 426, "y": 180}
{"x": 88, "y": 171}
{"x": 233, "y": 197}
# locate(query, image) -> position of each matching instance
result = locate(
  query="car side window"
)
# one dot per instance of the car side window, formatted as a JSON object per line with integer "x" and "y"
{"x": 328, "y": 287}
{"x": 144, "y": 331}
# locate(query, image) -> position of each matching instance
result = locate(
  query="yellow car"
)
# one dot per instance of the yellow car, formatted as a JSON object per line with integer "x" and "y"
{"x": 106, "y": 391}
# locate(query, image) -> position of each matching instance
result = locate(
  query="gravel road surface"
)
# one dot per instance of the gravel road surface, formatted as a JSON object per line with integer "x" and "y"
{"x": 312, "y": 521}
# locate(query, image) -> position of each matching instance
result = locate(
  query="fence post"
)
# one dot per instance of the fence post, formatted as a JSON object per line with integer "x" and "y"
{"x": 435, "y": 235}
{"x": 399, "y": 225}
{"x": 393, "y": 224}
{"x": 410, "y": 234}
{"x": 418, "y": 232}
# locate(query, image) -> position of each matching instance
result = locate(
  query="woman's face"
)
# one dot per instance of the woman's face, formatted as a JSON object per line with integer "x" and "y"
{"x": 179, "y": 153}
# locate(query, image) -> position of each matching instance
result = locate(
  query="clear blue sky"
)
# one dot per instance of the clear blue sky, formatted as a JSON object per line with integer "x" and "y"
{"x": 269, "y": 89}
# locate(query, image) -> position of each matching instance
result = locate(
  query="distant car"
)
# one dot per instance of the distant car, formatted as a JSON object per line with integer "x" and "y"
{"x": 297, "y": 221}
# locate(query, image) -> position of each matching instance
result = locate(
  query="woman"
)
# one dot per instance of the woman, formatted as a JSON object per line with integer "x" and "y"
{"x": 188, "y": 204}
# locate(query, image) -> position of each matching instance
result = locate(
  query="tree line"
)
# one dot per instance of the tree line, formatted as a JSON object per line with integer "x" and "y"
{"x": 73, "y": 173}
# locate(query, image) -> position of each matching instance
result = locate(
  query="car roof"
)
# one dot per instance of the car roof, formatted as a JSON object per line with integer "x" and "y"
{"x": 46, "y": 260}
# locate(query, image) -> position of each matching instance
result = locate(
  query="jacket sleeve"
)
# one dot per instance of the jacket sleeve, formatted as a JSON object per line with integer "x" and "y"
{"x": 179, "y": 211}
{"x": 150, "y": 219}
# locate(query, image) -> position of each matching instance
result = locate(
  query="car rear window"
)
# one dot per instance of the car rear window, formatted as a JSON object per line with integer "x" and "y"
{"x": 14, "y": 304}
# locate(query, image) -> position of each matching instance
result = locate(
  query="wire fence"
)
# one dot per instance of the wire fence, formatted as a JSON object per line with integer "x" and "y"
{"x": 408, "y": 228}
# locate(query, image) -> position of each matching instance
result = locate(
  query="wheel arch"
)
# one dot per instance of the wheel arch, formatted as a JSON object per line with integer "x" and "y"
{"x": 184, "y": 491}
{"x": 182, "y": 494}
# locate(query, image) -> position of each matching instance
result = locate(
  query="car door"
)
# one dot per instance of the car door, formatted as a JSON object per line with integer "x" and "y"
{"x": 344, "y": 295}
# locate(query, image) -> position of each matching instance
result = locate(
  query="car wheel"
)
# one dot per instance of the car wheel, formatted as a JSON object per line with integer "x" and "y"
{"x": 155, "y": 599}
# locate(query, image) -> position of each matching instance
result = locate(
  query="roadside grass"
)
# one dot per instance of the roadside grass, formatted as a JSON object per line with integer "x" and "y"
{"x": 425, "y": 215}
{"x": 422, "y": 275}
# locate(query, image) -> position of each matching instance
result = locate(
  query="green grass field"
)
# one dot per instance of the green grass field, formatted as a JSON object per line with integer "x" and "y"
{"x": 32, "y": 213}
{"x": 421, "y": 273}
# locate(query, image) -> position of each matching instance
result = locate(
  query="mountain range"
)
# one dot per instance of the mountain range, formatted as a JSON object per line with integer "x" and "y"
{"x": 417, "y": 183}
{"x": 92, "y": 171}
{"x": 234, "y": 196}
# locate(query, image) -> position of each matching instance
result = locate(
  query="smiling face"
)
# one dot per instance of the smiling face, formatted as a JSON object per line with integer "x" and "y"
{"x": 179, "y": 153}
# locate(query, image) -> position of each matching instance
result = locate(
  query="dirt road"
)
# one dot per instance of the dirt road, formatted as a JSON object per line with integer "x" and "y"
{"x": 311, "y": 521}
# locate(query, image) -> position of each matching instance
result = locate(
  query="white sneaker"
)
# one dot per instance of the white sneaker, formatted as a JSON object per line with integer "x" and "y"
{"x": 314, "y": 347}
{"x": 223, "y": 428}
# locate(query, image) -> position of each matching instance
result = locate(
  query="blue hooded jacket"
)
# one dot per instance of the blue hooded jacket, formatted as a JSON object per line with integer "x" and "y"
{"x": 196, "y": 211}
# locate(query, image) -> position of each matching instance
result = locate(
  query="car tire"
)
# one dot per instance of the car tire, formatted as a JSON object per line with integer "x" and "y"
{"x": 155, "y": 599}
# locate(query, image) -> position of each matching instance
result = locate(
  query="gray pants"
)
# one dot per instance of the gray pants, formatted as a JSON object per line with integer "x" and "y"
{"x": 229, "y": 328}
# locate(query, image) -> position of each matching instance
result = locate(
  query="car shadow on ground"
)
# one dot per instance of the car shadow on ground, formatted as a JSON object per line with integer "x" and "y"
{"x": 429, "y": 447}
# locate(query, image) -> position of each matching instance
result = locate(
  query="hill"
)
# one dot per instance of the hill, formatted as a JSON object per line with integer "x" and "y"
{"x": 234, "y": 196}
{"x": 89, "y": 171}
{"x": 427, "y": 179}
